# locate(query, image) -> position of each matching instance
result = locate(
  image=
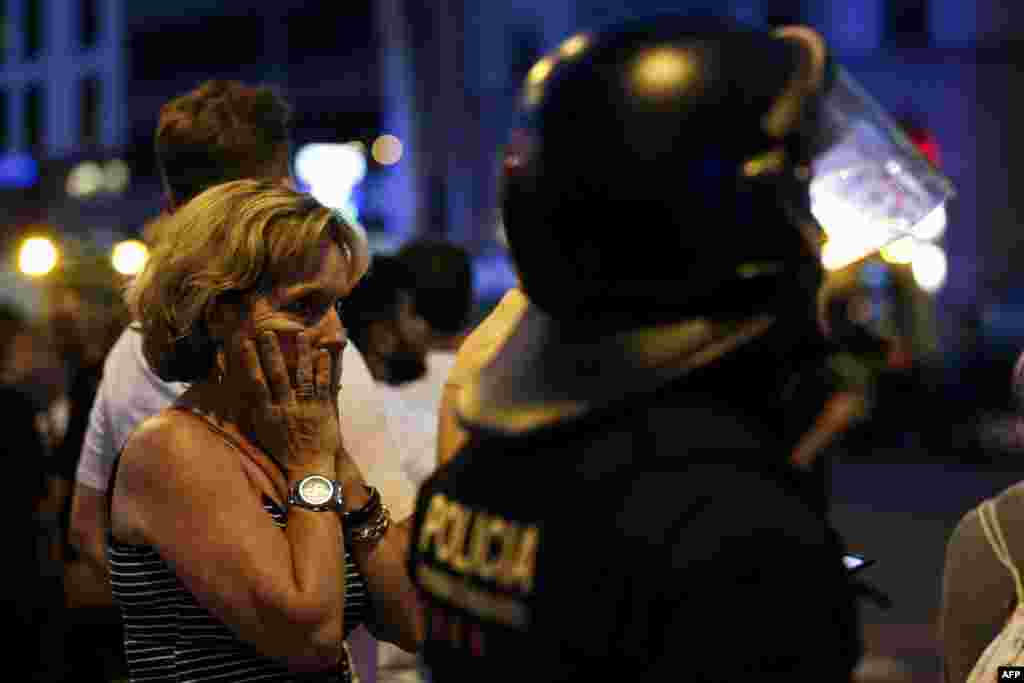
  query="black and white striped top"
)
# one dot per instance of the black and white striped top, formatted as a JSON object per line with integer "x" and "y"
{"x": 168, "y": 636}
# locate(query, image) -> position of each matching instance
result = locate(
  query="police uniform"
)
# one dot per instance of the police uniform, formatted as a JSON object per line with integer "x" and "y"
{"x": 646, "y": 531}
{"x": 626, "y": 505}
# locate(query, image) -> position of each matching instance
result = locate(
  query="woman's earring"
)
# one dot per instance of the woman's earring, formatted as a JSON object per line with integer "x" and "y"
{"x": 219, "y": 364}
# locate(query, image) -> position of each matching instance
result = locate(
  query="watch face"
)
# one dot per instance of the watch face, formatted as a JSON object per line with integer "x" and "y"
{"x": 316, "y": 490}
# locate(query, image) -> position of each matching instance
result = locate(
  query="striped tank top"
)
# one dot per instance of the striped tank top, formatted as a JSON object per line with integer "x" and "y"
{"x": 169, "y": 636}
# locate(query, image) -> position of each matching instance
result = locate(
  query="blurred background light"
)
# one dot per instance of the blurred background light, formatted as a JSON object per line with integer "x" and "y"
{"x": 18, "y": 171}
{"x": 574, "y": 45}
{"x": 37, "y": 256}
{"x": 116, "y": 175}
{"x": 929, "y": 266}
{"x": 839, "y": 252}
{"x": 331, "y": 172}
{"x": 129, "y": 257}
{"x": 320, "y": 162}
{"x": 85, "y": 179}
{"x": 923, "y": 139}
{"x": 387, "y": 150}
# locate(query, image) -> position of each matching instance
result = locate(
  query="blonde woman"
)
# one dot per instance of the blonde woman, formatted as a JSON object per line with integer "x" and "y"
{"x": 245, "y": 544}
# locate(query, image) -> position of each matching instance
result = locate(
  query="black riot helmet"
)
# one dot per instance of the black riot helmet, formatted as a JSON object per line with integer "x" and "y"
{"x": 662, "y": 170}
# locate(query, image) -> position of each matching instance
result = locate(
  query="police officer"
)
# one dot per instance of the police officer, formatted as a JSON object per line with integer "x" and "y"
{"x": 629, "y": 503}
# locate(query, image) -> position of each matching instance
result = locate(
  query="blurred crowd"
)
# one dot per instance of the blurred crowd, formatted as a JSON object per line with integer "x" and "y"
{"x": 51, "y": 370}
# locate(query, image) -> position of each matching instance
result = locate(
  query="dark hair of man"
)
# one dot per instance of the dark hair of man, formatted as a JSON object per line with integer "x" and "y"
{"x": 376, "y": 297}
{"x": 221, "y": 131}
{"x": 443, "y": 276}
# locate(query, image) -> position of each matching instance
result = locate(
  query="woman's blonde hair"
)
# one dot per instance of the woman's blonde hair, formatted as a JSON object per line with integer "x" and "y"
{"x": 234, "y": 238}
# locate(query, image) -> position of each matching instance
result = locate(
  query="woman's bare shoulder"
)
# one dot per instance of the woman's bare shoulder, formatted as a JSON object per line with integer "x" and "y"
{"x": 1012, "y": 498}
{"x": 173, "y": 444}
{"x": 968, "y": 537}
{"x": 1009, "y": 506}
{"x": 160, "y": 465}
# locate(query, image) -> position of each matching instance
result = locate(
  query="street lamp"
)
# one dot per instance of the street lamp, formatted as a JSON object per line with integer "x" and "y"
{"x": 129, "y": 257}
{"x": 37, "y": 256}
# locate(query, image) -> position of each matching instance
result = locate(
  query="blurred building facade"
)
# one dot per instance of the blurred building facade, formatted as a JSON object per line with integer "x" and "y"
{"x": 85, "y": 78}
{"x": 63, "y": 76}
{"x": 62, "y": 94}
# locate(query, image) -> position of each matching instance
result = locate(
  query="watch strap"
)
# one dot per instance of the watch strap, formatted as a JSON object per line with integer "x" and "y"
{"x": 365, "y": 514}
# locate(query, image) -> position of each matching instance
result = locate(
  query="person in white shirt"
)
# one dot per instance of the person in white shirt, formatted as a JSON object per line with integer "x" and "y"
{"x": 442, "y": 277}
{"x": 411, "y": 318}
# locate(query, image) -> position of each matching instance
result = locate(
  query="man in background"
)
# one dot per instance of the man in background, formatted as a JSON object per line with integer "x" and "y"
{"x": 382, "y": 322}
{"x": 409, "y": 317}
{"x": 437, "y": 277}
{"x": 442, "y": 276}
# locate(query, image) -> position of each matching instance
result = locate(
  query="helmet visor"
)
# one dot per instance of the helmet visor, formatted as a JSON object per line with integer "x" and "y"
{"x": 870, "y": 185}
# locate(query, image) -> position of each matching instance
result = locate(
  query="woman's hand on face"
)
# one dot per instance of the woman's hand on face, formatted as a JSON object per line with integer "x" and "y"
{"x": 297, "y": 423}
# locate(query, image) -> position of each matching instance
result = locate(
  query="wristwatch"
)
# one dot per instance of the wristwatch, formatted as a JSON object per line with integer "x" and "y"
{"x": 317, "y": 493}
